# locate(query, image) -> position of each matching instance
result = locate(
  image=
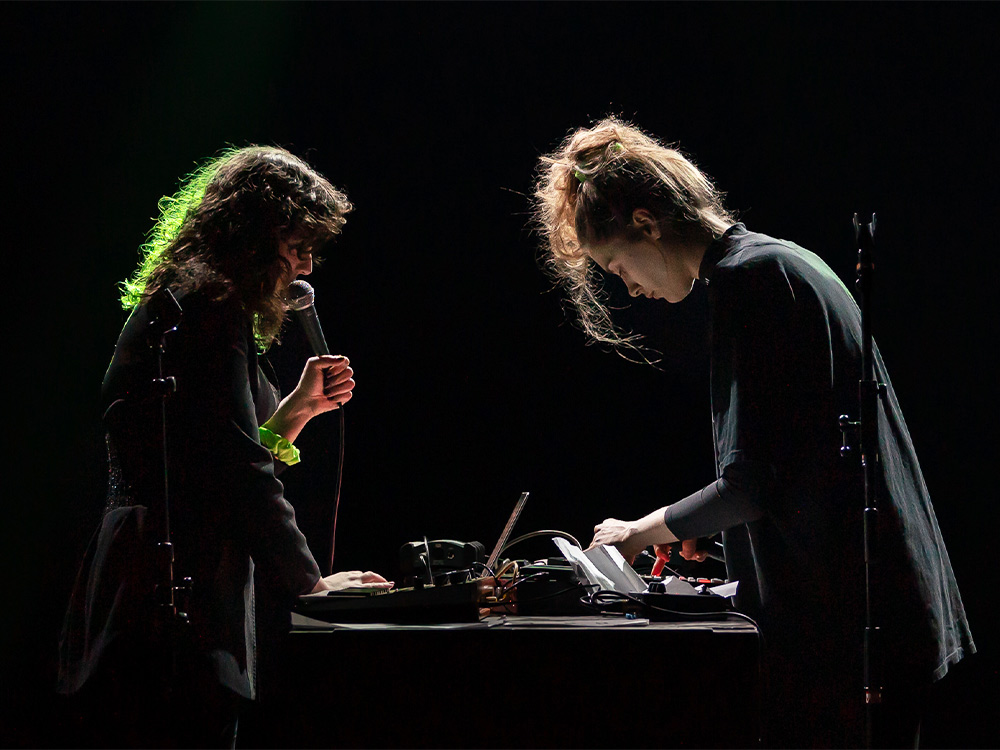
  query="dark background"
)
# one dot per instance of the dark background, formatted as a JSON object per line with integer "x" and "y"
{"x": 473, "y": 385}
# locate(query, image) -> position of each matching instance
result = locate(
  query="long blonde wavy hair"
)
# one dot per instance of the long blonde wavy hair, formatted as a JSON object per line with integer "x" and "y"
{"x": 586, "y": 192}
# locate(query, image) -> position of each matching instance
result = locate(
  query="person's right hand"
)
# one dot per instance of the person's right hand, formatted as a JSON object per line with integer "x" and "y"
{"x": 351, "y": 579}
{"x": 620, "y": 534}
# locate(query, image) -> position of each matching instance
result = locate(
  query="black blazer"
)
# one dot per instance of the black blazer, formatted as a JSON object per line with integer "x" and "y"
{"x": 228, "y": 514}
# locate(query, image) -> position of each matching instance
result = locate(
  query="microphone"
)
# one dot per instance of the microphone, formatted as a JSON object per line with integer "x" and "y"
{"x": 302, "y": 301}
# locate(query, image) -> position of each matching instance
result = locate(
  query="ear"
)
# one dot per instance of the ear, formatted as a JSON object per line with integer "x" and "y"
{"x": 643, "y": 220}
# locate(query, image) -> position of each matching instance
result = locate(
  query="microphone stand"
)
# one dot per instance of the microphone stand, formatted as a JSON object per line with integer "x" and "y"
{"x": 170, "y": 617}
{"x": 869, "y": 392}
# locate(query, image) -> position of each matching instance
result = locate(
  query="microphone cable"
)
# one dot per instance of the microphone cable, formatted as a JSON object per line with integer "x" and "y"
{"x": 336, "y": 487}
{"x": 302, "y": 301}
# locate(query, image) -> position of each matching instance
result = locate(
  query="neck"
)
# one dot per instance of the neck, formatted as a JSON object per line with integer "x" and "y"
{"x": 691, "y": 250}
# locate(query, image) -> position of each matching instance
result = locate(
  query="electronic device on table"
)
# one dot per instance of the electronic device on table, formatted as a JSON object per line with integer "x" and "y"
{"x": 446, "y": 580}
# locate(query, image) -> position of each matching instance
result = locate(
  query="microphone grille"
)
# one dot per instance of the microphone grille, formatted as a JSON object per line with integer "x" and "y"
{"x": 300, "y": 295}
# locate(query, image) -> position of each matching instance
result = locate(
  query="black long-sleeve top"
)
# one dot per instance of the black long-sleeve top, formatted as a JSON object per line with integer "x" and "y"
{"x": 785, "y": 364}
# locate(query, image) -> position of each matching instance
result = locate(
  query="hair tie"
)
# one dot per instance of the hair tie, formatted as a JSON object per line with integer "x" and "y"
{"x": 279, "y": 446}
{"x": 580, "y": 176}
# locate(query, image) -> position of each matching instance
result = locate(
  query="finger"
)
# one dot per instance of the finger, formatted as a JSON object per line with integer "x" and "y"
{"x": 338, "y": 399}
{"x": 370, "y": 577}
{"x": 334, "y": 377}
{"x": 338, "y": 382}
{"x": 326, "y": 365}
{"x": 605, "y": 523}
{"x": 331, "y": 375}
{"x": 337, "y": 373}
{"x": 333, "y": 389}
{"x": 329, "y": 360}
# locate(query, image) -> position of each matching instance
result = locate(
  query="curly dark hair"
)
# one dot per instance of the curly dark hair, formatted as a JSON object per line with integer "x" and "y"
{"x": 220, "y": 233}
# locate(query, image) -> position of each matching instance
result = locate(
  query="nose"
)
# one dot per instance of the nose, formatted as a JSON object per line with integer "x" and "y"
{"x": 306, "y": 265}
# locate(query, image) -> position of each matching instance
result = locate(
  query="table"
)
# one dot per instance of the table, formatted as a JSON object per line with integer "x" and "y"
{"x": 508, "y": 681}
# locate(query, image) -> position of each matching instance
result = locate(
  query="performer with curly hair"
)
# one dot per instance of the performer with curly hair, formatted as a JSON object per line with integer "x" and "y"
{"x": 208, "y": 296}
{"x": 785, "y": 363}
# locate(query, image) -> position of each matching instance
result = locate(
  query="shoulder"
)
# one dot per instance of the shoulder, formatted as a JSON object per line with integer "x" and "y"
{"x": 760, "y": 261}
{"x": 752, "y": 253}
{"x": 755, "y": 263}
{"x": 206, "y": 329}
{"x": 206, "y": 316}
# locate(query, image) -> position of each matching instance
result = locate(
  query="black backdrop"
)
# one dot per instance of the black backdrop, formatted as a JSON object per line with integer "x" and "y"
{"x": 473, "y": 385}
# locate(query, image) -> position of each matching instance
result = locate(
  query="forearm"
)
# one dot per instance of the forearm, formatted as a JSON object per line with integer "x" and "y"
{"x": 719, "y": 506}
{"x": 651, "y": 529}
{"x": 288, "y": 419}
{"x": 325, "y": 385}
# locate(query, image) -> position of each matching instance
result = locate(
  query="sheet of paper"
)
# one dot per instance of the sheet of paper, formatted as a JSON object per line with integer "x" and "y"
{"x": 585, "y": 569}
{"x": 726, "y": 589}
{"x": 602, "y": 566}
{"x": 674, "y": 585}
{"x": 611, "y": 563}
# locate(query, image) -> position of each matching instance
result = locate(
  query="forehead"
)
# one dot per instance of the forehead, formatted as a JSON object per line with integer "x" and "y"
{"x": 301, "y": 241}
{"x": 295, "y": 237}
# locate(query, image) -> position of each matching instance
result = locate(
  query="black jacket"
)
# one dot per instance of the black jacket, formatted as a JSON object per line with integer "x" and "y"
{"x": 228, "y": 515}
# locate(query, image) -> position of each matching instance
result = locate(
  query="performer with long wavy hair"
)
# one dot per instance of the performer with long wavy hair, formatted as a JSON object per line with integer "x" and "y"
{"x": 208, "y": 297}
{"x": 785, "y": 364}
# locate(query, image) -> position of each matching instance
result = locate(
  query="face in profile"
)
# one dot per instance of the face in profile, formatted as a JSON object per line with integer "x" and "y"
{"x": 650, "y": 265}
{"x": 298, "y": 254}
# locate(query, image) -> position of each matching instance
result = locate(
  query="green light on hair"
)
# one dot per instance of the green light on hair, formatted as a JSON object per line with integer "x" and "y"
{"x": 174, "y": 210}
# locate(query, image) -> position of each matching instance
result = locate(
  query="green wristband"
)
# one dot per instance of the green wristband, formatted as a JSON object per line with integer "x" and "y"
{"x": 283, "y": 450}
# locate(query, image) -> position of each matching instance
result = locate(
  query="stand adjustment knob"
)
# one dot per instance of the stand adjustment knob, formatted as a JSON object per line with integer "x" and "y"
{"x": 848, "y": 427}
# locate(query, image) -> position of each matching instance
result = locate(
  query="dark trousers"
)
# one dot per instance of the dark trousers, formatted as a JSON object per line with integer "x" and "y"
{"x": 137, "y": 702}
